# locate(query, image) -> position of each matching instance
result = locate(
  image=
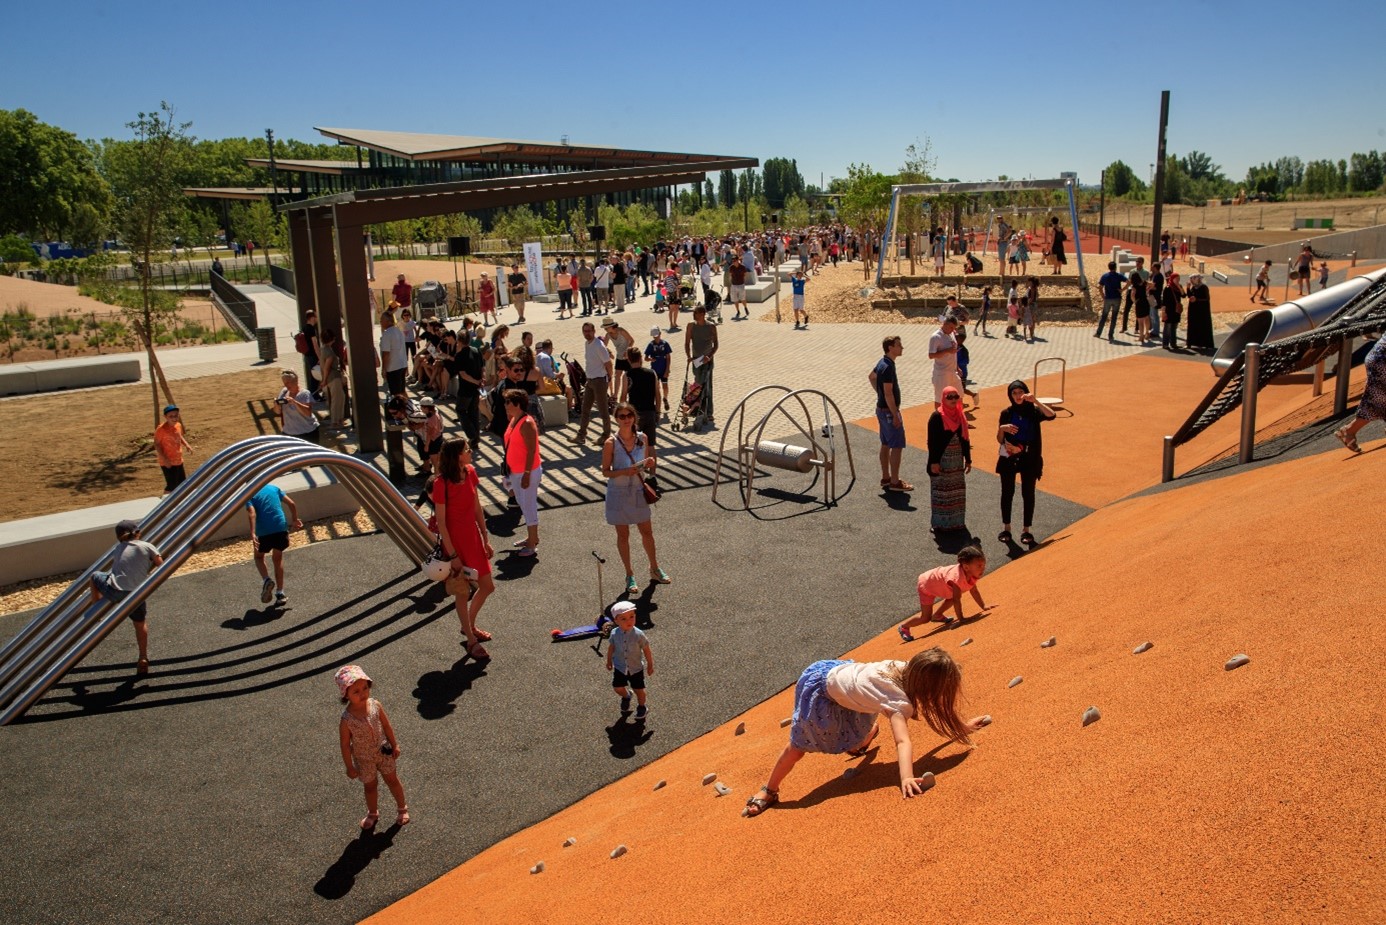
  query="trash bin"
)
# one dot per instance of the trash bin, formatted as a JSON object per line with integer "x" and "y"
{"x": 264, "y": 338}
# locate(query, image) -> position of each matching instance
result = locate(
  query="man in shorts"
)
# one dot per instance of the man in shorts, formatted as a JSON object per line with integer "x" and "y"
{"x": 884, "y": 380}
{"x": 737, "y": 295}
{"x": 269, "y": 532}
{"x": 519, "y": 289}
{"x": 133, "y": 560}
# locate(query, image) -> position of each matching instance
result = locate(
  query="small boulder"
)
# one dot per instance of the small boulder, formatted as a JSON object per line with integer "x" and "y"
{"x": 721, "y": 788}
{"x": 537, "y": 868}
{"x": 1014, "y": 681}
{"x": 1143, "y": 647}
{"x": 926, "y": 780}
{"x": 966, "y": 642}
{"x": 1236, "y": 661}
{"x": 708, "y": 778}
{"x": 740, "y": 729}
{"x": 619, "y": 850}
{"x": 569, "y": 842}
{"x": 660, "y": 784}
{"x": 1050, "y": 642}
{"x": 986, "y": 720}
{"x": 1091, "y": 715}
{"x": 786, "y": 721}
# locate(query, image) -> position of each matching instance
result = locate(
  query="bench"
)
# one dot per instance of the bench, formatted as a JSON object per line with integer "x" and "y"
{"x": 74, "y": 373}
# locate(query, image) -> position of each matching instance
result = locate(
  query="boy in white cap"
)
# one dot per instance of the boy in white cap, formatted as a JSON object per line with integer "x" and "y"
{"x": 629, "y": 659}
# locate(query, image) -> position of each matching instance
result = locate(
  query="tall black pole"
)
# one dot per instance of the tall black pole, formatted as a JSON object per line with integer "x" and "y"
{"x": 1102, "y": 212}
{"x": 274, "y": 174}
{"x": 1159, "y": 179}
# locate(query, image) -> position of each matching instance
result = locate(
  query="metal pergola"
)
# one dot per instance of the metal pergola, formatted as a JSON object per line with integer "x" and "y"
{"x": 995, "y": 186}
{"x": 327, "y": 235}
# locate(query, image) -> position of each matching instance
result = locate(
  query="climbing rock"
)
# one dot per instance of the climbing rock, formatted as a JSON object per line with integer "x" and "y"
{"x": 620, "y": 850}
{"x": 986, "y": 720}
{"x": 926, "y": 780}
{"x": 662, "y": 783}
{"x": 1014, "y": 681}
{"x": 851, "y": 772}
{"x": 1091, "y": 715}
{"x": 1236, "y": 661}
{"x": 1143, "y": 647}
{"x": 967, "y": 641}
{"x": 537, "y": 868}
{"x": 722, "y": 789}
{"x": 708, "y": 778}
{"x": 740, "y": 729}
{"x": 568, "y": 843}
{"x": 786, "y": 721}
{"x": 1050, "y": 642}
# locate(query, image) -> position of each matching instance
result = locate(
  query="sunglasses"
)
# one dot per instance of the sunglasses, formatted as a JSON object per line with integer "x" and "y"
{"x": 625, "y": 417}
{"x": 951, "y": 398}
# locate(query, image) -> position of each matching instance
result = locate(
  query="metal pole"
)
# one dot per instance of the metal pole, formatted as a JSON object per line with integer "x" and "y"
{"x": 1343, "y": 372}
{"x": 1159, "y": 180}
{"x": 890, "y": 227}
{"x": 1077, "y": 238}
{"x": 1251, "y": 381}
{"x": 1167, "y": 467}
{"x": 1102, "y": 213}
{"x": 1318, "y": 378}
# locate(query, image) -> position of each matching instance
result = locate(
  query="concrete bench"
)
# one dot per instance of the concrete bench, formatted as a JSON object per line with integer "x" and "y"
{"x": 41, "y": 547}
{"x": 764, "y": 290}
{"x": 75, "y": 373}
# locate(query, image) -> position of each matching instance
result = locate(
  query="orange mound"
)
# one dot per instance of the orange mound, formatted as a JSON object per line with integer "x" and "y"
{"x": 1201, "y": 794}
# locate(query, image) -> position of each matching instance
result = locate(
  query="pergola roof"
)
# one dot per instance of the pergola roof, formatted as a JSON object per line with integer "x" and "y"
{"x": 229, "y": 192}
{"x": 365, "y": 207}
{"x": 420, "y": 146}
{"x": 304, "y": 166}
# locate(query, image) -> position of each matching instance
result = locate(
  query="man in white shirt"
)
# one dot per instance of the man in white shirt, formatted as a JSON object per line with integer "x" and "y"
{"x": 943, "y": 350}
{"x": 597, "y": 365}
{"x": 393, "y": 359}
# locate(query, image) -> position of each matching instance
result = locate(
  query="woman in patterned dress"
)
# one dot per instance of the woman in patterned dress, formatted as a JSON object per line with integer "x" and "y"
{"x": 1372, "y": 407}
{"x": 950, "y": 459}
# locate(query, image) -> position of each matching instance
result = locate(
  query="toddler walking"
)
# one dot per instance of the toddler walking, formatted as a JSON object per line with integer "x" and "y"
{"x": 629, "y": 659}
{"x": 964, "y": 358}
{"x": 369, "y": 747}
{"x": 836, "y": 704}
{"x": 947, "y": 582}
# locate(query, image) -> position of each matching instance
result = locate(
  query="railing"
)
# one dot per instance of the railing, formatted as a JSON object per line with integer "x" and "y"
{"x": 69, "y": 628}
{"x": 282, "y": 278}
{"x": 238, "y": 307}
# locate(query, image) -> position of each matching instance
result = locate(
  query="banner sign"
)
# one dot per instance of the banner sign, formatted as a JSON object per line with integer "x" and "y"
{"x": 534, "y": 268}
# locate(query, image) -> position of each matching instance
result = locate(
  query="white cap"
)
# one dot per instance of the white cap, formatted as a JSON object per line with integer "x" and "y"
{"x": 621, "y": 607}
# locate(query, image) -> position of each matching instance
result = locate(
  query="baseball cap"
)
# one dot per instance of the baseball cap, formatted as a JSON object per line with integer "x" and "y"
{"x": 426, "y": 402}
{"x": 168, "y": 408}
{"x": 126, "y": 528}
{"x": 656, "y": 331}
{"x": 348, "y": 675}
{"x": 621, "y": 607}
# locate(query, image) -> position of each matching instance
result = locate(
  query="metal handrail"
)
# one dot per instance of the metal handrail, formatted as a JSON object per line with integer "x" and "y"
{"x": 43, "y": 652}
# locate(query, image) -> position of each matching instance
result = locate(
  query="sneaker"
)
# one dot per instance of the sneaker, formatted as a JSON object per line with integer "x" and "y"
{"x": 660, "y": 577}
{"x": 631, "y": 585}
{"x": 267, "y": 591}
{"x": 280, "y": 597}
{"x": 625, "y": 705}
{"x": 641, "y": 712}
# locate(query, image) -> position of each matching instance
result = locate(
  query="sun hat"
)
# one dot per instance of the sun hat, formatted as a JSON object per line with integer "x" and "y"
{"x": 608, "y": 322}
{"x": 348, "y": 675}
{"x": 621, "y": 607}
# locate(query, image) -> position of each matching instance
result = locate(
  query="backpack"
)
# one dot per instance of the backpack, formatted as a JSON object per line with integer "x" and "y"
{"x": 301, "y": 342}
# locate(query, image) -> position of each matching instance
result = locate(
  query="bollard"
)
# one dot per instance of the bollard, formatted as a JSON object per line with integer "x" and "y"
{"x": 1343, "y": 372}
{"x": 1167, "y": 467}
{"x": 1251, "y": 375}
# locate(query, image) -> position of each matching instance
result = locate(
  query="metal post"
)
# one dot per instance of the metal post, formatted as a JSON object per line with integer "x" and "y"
{"x": 1102, "y": 212}
{"x": 1167, "y": 467}
{"x": 1159, "y": 180}
{"x": 1343, "y": 372}
{"x": 1077, "y": 238}
{"x": 1318, "y": 378}
{"x": 1251, "y": 380}
{"x": 889, "y": 229}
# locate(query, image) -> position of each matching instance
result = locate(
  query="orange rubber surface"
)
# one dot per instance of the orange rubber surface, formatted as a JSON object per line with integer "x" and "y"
{"x": 1201, "y": 795}
{"x": 1107, "y": 441}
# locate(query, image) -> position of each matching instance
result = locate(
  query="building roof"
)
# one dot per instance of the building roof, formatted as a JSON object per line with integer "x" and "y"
{"x": 304, "y": 166}
{"x": 419, "y": 146}
{"x": 230, "y": 192}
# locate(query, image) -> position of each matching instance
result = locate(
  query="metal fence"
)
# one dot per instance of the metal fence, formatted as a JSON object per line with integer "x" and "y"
{"x": 238, "y": 308}
{"x": 282, "y": 278}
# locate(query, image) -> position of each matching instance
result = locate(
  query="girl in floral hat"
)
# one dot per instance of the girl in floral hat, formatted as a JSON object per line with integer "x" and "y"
{"x": 369, "y": 748}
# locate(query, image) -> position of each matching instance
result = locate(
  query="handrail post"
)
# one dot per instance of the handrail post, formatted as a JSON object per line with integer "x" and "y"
{"x": 1167, "y": 466}
{"x": 1251, "y": 381}
{"x": 1343, "y": 372}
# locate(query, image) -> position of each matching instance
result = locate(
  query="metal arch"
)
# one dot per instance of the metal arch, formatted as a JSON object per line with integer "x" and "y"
{"x": 67, "y": 630}
{"x": 745, "y": 450}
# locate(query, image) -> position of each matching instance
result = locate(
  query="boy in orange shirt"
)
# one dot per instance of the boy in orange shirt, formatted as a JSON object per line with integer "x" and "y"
{"x": 169, "y": 444}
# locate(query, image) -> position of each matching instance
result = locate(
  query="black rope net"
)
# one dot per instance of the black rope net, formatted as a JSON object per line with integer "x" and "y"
{"x": 1363, "y": 314}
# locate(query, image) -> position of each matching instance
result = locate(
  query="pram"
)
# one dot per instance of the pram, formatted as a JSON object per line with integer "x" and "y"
{"x": 714, "y": 308}
{"x": 431, "y": 299}
{"x": 691, "y": 414}
{"x": 577, "y": 377}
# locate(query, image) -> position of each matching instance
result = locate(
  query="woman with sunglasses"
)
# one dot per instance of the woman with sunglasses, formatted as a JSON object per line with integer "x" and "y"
{"x": 950, "y": 460}
{"x": 626, "y": 456}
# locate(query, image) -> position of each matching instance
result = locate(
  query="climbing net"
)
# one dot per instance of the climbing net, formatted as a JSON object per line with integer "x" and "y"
{"x": 1364, "y": 314}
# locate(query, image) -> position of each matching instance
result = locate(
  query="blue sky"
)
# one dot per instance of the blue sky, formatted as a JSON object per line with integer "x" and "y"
{"x": 1000, "y": 88}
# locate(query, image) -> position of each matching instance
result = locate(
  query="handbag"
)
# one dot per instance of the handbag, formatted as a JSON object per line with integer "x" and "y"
{"x": 651, "y": 496}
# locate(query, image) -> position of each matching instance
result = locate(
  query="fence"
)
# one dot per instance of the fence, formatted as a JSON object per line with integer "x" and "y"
{"x": 181, "y": 277}
{"x": 282, "y": 278}
{"x": 238, "y": 308}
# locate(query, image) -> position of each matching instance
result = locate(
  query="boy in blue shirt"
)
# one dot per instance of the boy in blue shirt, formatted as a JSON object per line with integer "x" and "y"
{"x": 798, "y": 282}
{"x": 269, "y": 532}
{"x": 963, "y": 359}
{"x": 657, "y": 353}
{"x": 629, "y": 659}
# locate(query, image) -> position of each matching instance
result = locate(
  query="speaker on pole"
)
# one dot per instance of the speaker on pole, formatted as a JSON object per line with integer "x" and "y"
{"x": 460, "y": 247}
{"x": 597, "y": 232}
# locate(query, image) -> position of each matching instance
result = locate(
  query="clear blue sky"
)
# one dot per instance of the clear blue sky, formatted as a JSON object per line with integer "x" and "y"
{"x": 1001, "y": 88}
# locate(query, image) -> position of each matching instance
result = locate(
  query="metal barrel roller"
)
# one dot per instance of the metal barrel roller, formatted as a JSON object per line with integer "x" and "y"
{"x": 784, "y": 456}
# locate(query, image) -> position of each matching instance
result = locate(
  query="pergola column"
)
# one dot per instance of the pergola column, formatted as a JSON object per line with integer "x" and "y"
{"x": 360, "y": 321}
{"x": 323, "y": 259}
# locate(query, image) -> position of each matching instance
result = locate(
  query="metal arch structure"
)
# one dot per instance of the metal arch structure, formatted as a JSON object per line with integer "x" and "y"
{"x": 993, "y": 186}
{"x": 68, "y": 629}
{"x": 824, "y": 454}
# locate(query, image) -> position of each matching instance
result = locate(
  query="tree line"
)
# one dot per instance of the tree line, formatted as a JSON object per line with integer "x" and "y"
{"x": 1194, "y": 179}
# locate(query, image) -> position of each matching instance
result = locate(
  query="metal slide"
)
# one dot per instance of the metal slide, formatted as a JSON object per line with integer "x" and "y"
{"x": 69, "y": 628}
{"x": 1303, "y": 314}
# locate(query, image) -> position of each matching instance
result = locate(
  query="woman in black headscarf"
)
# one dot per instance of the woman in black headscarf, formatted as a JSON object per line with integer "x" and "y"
{"x": 1200, "y": 315}
{"x": 1021, "y": 454}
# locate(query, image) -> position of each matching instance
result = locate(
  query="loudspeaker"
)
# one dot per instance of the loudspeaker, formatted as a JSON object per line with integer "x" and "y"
{"x": 597, "y": 232}
{"x": 774, "y": 218}
{"x": 460, "y": 247}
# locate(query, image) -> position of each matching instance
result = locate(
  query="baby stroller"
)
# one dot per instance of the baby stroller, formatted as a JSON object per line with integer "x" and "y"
{"x": 577, "y": 380}
{"x": 714, "y": 308}
{"x": 691, "y": 414}
{"x": 431, "y": 299}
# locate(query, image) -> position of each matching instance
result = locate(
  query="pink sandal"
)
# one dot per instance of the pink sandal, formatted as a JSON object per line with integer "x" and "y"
{"x": 402, "y": 819}
{"x": 368, "y": 824}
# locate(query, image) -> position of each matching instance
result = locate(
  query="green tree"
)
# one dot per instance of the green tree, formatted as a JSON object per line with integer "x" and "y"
{"x": 257, "y": 221}
{"x": 1199, "y": 166}
{"x": 1263, "y": 178}
{"x": 709, "y": 195}
{"x": 1121, "y": 181}
{"x": 146, "y": 180}
{"x": 1364, "y": 172}
{"x": 520, "y": 225}
{"x": 865, "y": 202}
{"x": 49, "y": 184}
{"x": 795, "y": 213}
{"x": 782, "y": 180}
{"x": 1321, "y": 178}
{"x": 1290, "y": 170}
{"x": 726, "y": 188}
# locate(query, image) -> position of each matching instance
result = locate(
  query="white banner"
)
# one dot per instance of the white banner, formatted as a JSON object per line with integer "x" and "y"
{"x": 502, "y": 286}
{"x": 534, "y": 268}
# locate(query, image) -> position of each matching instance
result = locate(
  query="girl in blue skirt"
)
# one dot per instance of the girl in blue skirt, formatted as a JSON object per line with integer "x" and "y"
{"x": 836, "y": 704}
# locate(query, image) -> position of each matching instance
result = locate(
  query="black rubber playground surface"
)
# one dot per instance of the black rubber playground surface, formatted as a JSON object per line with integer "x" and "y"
{"x": 213, "y": 790}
